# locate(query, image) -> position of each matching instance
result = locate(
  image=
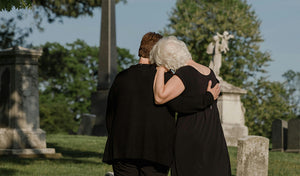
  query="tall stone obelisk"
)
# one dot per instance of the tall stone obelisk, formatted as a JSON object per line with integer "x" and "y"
{"x": 107, "y": 66}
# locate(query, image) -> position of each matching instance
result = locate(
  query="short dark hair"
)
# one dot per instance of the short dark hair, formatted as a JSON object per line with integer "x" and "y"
{"x": 147, "y": 43}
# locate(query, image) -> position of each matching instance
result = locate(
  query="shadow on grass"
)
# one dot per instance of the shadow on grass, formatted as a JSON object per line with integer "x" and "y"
{"x": 69, "y": 155}
{"x": 74, "y": 153}
{"x": 7, "y": 172}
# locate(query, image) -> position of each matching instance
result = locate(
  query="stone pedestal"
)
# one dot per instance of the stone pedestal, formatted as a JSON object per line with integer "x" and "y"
{"x": 19, "y": 104}
{"x": 87, "y": 124}
{"x": 231, "y": 112}
{"x": 99, "y": 103}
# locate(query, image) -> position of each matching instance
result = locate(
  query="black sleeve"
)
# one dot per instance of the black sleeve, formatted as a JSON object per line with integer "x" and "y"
{"x": 195, "y": 104}
{"x": 202, "y": 101}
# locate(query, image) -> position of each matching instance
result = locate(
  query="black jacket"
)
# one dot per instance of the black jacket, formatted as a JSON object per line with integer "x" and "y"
{"x": 137, "y": 127}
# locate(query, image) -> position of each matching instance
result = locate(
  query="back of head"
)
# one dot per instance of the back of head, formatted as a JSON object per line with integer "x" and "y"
{"x": 170, "y": 52}
{"x": 147, "y": 43}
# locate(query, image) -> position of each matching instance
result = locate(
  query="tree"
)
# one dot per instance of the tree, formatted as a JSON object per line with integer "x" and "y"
{"x": 196, "y": 21}
{"x": 67, "y": 77}
{"x": 125, "y": 59}
{"x": 66, "y": 80}
{"x": 264, "y": 102}
{"x": 72, "y": 8}
{"x": 18, "y": 4}
{"x": 292, "y": 84}
{"x": 11, "y": 34}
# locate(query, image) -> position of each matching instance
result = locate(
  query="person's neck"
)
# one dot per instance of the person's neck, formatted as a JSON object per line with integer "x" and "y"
{"x": 144, "y": 60}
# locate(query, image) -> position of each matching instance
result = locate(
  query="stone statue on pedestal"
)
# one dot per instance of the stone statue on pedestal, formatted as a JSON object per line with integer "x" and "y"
{"x": 216, "y": 49}
{"x": 230, "y": 107}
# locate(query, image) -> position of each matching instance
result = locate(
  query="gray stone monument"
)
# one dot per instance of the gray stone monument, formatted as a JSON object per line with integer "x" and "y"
{"x": 86, "y": 124}
{"x": 107, "y": 66}
{"x": 294, "y": 136}
{"x": 230, "y": 107}
{"x": 252, "y": 156}
{"x": 20, "y": 132}
{"x": 279, "y": 135}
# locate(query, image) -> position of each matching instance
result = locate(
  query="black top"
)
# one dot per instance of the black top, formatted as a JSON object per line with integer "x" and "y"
{"x": 200, "y": 147}
{"x": 137, "y": 128}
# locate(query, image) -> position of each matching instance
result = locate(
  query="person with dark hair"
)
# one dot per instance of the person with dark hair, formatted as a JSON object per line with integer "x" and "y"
{"x": 140, "y": 133}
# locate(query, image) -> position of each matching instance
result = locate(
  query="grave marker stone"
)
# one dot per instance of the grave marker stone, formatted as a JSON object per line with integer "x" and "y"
{"x": 253, "y": 156}
{"x": 294, "y": 136}
{"x": 279, "y": 135}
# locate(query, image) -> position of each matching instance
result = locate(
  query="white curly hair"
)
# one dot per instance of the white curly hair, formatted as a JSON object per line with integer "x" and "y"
{"x": 170, "y": 53}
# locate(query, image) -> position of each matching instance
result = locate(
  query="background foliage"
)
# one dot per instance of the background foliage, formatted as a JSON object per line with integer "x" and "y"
{"x": 67, "y": 77}
{"x": 68, "y": 72}
{"x": 197, "y": 21}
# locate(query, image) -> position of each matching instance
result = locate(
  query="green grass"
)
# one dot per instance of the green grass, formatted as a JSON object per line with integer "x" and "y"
{"x": 82, "y": 155}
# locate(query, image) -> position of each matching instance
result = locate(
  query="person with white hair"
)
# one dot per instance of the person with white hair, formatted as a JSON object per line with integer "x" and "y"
{"x": 141, "y": 134}
{"x": 200, "y": 146}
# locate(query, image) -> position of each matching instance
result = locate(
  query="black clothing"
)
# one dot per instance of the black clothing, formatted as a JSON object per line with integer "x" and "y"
{"x": 200, "y": 147}
{"x": 139, "y": 168}
{"x": 137, "y": 128}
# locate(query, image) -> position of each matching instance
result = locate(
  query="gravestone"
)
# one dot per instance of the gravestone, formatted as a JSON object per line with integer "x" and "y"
{"x": 294, "y": 136}
{"x": 107, "y": 66}
{"x": 279, "y": 135}
{"x": 253, "y": 156}
{"x": 86, "y": 124}
{"x": 20, "y": 132}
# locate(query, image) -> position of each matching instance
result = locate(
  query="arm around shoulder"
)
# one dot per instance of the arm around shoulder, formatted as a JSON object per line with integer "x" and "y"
{"x": 166, "y": 92}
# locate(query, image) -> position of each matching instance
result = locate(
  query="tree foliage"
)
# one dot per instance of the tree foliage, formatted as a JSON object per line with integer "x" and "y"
{"x": 125, "y": 59}
{"x": 266, "y": 101}
{"x": 11, "y": 34}
{"x": 292, "y": 84}
{"x": 197, "y": 21}
{"x": 68, "y": 8}
{"x": 71, "y": 8}
{"x": 18, "y": 4}
{"x": 67, "y": 77}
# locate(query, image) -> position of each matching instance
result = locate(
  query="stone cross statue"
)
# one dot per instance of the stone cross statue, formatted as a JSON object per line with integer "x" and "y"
{"x": 216, "y": 48}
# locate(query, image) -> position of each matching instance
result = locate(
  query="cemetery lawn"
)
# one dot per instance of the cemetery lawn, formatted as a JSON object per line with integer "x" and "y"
{"x": 82, "y": 156}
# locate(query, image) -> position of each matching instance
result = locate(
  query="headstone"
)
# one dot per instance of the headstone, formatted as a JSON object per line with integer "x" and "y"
{"x": 20, "y": 132}
{"x": 86, "y": 124}
{"x": 279, "y": 135}
{"x": 253, "y": 156}
{"x": 294, "y": 136}
{"x": 107, "y": 66}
